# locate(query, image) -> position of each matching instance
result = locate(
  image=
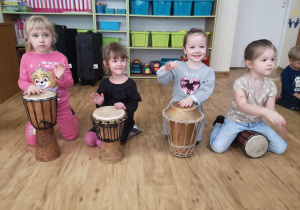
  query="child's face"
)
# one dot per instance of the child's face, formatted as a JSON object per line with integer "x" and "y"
{"x": 295, "y": 64}
{"x": 117, "y": 66}
{"x": 195, "y": 48}
{"x": 264, "y": 64}
{"x": 41, "y": 40}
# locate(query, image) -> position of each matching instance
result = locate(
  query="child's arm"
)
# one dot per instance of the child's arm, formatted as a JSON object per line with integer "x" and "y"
{"x": 268, "y": 111}
{"x": 97, "y": 99}
{"x": 164, "y": 74}
{"x": 286, "y": 83}
{"x": 63, "y": 73}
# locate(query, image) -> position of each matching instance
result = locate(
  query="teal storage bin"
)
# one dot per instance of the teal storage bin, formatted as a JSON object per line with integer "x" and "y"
{"x": 113, "y": 26}
{"x": 139, "y": 7}
{"x": 121, "y": 11}
{"x": 109, "y": 10}
{"x": 182, "y": 7}
{"x": 160, "y": 7}
{"x": 202, "y": 7}
{"x": 164, "y": 60}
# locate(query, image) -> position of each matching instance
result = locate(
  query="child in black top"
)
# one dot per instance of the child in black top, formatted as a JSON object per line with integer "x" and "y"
{"x": 118, "y": 90}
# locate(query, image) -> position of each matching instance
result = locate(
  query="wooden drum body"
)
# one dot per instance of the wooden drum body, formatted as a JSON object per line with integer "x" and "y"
{"x": 183, "y": 126}
{"x": 254, "y": 144}
{"x": 109, "y": 124}
{"x": 42, "y": 113}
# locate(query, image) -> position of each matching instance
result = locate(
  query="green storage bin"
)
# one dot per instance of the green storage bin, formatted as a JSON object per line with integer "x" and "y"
{"x": 107, "y": 40}
{"x": 139, "y": 38}
{"x": 160, "y": 38}
{"x": 177, "y": 39}
{"x": 80, "y": 31}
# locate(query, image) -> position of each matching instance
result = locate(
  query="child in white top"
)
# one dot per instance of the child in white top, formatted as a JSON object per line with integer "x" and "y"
{"x": 254, "y": 98}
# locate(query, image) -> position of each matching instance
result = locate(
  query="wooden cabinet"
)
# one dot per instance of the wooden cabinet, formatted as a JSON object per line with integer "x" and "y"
{"x": 9, "y": 70}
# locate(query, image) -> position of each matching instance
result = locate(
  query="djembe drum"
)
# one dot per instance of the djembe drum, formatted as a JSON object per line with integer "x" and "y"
{"x": 182, "y": 126}
{"x": 109, "y": 125}
{"x": 254, "y": 144}
{"x": 41, "y": 112}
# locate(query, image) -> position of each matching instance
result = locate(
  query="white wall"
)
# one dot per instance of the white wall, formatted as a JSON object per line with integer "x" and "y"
{"x": 289, "y": 37}
{"x": 259, "y": 19}
{"x": 224, "y": 34}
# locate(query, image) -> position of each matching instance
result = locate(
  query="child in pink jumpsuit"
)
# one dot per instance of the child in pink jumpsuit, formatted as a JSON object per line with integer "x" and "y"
{"x": 44, "y": 69}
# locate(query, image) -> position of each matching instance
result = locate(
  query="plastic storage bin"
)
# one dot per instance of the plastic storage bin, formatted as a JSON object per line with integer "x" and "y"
{"x": 107, "y": 40}
{"x": 160, "y": 38}
{"x": 161, "y": 7}
{"x": 139, "y": 7}
{"x": 182, "y": 7}
{"x": 177, "y": 39}
{"x": 139, "y": 38}
{"x": 164, "y": 60}
{"x": 109, "y": 10}
{"x": 114, "y": 26}
{"x": 100, "y": 8}
{"x": 202, "y": 7}
{"x": 121, "y": 11}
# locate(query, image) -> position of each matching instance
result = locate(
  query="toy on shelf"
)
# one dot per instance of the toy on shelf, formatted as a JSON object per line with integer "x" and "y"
{"x": 155, "y": 65}
{"x": 146, "y": 69}
{"x": 136, "y": 67}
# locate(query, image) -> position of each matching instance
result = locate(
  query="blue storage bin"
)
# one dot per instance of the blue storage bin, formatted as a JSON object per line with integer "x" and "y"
{"x": 121, "y": 11}
{"x": 161, "y": 7}
{"x": 114, "y": 26}
{"x": 182, "y": 7}
{"x": 202, "y": 7}
{"x": 164, "y": 60}
{"x": 139, "y": 7}
{"x": 109, "y": 10}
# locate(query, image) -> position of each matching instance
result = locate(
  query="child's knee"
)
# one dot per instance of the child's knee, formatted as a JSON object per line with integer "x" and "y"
{"x": 217, "y": 147}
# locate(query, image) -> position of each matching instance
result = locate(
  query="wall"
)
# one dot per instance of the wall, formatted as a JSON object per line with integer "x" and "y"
{"x": 291, "y": 31}
{"x": 259, "y": 19}
{"x": 224, "y": 35}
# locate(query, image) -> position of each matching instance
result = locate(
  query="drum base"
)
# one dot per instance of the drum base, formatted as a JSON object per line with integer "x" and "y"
{"x": 111, "y": 152}
{"x": 47, "y": 148}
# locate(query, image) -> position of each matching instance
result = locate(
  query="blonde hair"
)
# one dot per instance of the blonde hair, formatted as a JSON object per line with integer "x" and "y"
{"x": 256, "y": 48}
{"x": 294, "y": 53}
{"x": 195, "y": 31}
{"x": 115, "y": 49}
{"x": 38, "y": 22}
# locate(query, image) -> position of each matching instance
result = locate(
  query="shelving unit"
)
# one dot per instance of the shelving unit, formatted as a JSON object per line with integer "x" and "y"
{"x": 130, "y": 22}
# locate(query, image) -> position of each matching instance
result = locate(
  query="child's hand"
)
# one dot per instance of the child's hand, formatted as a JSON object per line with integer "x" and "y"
{"x": 97, "y": 99}
{"x": 274, "y": 117}
{"x": 119, "y": 105}
{"x": 32, "y": 89}
{"x": 170, "y": 65}
{"x": 187, "y": 102}
{"x": 297, "y": 95}
{"x": 59, "y": 70}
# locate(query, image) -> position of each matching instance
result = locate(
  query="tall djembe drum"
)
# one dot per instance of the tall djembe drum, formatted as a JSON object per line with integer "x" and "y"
{"x": 183, "y": 126}
{"x": 109, "y": 125}
{"x": 42, "y": 113}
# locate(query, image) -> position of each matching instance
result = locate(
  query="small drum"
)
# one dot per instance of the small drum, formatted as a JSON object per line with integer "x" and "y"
{"x": 254, "y": 144}
{"x": 109, "y": 125}
{"x": 41, "y": 112}
{"x": 183, "y": 126}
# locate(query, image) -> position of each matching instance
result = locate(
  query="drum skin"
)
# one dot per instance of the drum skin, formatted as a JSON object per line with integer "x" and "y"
{"x": 183, "y": 126}
{"x": 109, "y": 125}
{"x": 254, "y": 144}
{"x": 42, "y": 113}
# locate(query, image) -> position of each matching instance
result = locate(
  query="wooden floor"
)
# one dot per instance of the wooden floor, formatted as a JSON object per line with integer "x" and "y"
{"x": 149, "y": 177}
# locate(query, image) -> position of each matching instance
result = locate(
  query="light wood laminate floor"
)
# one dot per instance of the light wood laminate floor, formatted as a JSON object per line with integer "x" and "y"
{"x": 149, "y": 177}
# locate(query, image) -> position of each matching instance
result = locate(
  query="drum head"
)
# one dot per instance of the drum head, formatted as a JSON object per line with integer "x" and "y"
{"x": 256, "y": 146}
{"x": 108, "y": 113}
{"x": 188, "y": 114}
{"x": 46, "y": 95}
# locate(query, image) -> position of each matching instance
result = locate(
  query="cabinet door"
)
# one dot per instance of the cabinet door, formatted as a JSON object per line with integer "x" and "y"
{"x": 9, "y": 70}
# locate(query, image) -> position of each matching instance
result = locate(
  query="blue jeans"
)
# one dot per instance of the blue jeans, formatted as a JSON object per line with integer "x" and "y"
{"x": 222, "y": 135}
